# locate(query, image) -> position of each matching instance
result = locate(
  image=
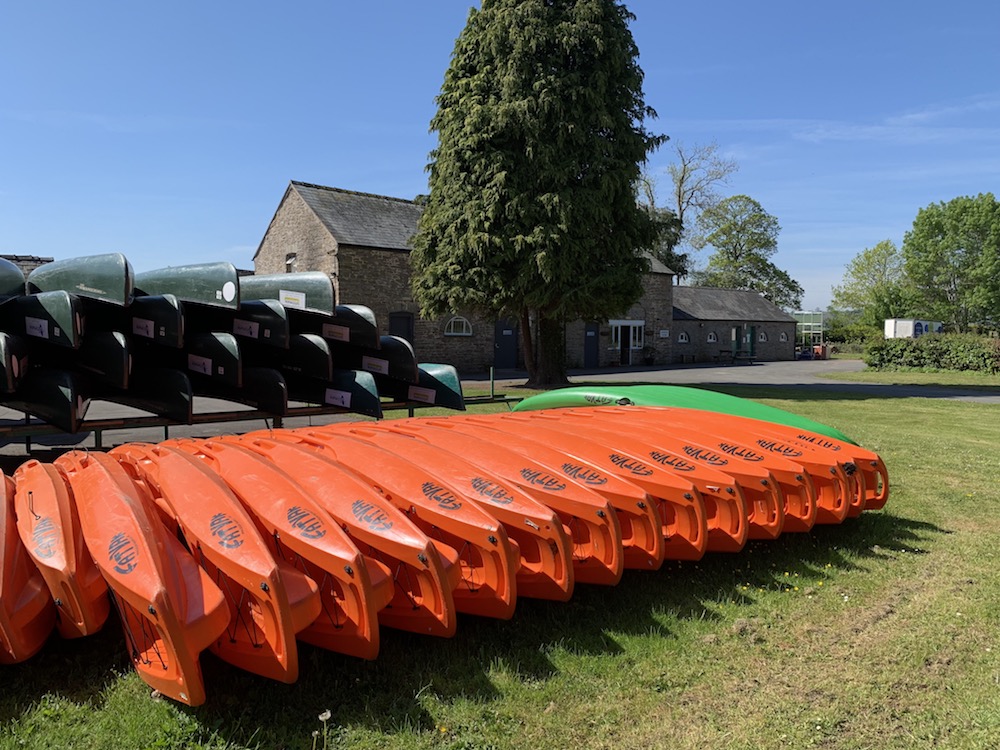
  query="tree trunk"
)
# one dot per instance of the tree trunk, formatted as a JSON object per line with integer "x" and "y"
{"x": 551, "y": 369}
{"x": 528, "y": 345}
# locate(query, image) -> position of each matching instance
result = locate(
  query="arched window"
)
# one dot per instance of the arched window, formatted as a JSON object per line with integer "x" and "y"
{"x": 712, "y": 337}
{"x": 762, "y": 337}
{"x": 682, "y": 337}
{"x": 783, "y": 337}
{"x": 458, "y": 326}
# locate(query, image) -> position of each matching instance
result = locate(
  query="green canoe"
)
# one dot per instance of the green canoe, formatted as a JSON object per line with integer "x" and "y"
{"x": 215, "y": 356}
{"x": 672, "y": 395}
{"x": 262, "y": 388}
{"x": 106, "y": 278}
{"x": 103, "y": 355}
{"x": 307, "y": 355}
{"x": 13, "y": 361}
{"x": 162, "y": 391}
{"x": 347, "y": 390}
{"x": 215, "y": 284}
{"x": 53, "y": 317}
{"x": 54, "y": 396}
{"x": 308, "y": 291}
{"x": 262, "y": 322}
{"x": 11, "y": 280}
{"x": 394, "y": 358}
{"x": 437, "y": 385}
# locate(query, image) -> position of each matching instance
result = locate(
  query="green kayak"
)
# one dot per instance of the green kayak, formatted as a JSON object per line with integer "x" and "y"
{"x": 673, "y": 395}
{"x": 437, "y": 385}
{"x": 11, "y": 280}
{"x": 309, "y": 291}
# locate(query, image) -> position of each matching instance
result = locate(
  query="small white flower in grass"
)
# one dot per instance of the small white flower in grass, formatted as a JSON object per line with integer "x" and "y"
{"x": 325, "y": 716}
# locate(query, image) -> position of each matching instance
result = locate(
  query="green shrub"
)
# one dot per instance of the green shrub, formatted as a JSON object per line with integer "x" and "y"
{"x": 936, "y": 352}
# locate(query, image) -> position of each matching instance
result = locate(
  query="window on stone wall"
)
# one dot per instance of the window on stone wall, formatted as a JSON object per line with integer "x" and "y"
{"x": 458, "y": 326}
{"x": 762, "y": 337}
{"x": 783, "y": 337}
{"x": 682, "y": 337}
{"x": 713, "y": 338}
{"x": 290, "y": 262}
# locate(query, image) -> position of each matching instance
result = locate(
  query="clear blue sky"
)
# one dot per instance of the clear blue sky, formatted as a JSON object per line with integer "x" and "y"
{"x": 169, "y": 131}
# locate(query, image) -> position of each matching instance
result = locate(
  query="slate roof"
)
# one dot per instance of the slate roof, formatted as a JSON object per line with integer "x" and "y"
{"x": 362, "y": 219}
{"x": 707, "y": 303}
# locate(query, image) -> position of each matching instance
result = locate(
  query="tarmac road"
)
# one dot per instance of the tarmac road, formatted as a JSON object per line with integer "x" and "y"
{"x": 798, "y": 374}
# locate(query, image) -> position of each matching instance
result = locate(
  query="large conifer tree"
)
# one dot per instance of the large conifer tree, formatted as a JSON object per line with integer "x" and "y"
{"x": 532, "y": 210}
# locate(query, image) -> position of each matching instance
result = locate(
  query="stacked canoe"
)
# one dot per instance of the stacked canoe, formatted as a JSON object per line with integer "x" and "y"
{"x": 243, "y": 545}
{"x": 90, "y": 328}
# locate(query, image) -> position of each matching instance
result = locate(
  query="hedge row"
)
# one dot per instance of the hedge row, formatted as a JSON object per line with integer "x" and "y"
{"x": 937, "y": 352}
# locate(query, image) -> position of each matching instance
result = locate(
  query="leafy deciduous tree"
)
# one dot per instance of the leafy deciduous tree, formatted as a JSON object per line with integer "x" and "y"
{"x": 952, "y": 257}
{"x": 745, "y": 237}
{"x": 532, "y": 208}
{"x": 875, "y": 286}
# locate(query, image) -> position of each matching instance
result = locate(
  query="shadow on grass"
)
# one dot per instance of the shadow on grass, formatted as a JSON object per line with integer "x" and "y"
{"x": 385, "y": 696}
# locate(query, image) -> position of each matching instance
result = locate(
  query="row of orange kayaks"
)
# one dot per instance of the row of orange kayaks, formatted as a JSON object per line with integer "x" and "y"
{"x": 243, "y": 545}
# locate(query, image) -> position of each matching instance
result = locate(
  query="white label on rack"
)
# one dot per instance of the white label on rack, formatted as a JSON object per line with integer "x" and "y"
{"x": 229, "y": 291}
{"x": 374, "y": 364}
{"x": 36, "y": 327}
{"x": 199, "y": 364}
{"x": 295, "y": 300}
{"x": 142, "y": 327}
{"x": 423, "y": 395}
{"x": 246, "y": 328}
{"x": 333, "y": 397}
{"x": 336, "y": 333}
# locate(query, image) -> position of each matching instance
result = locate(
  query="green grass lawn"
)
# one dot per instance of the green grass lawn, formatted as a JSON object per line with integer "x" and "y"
{"x": 880, "y": 633}
{"x": 951, "y": 378}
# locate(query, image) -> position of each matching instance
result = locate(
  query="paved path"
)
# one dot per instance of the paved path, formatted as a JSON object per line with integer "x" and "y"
{"x": 800, "y": 375}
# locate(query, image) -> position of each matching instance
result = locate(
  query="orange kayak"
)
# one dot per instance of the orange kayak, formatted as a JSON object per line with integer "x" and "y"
{"x": 170, "y": 608}
{"x": 49, "y": 526}
{"x": 587, "y": 518}
{"x": 834, "y": 481}
{"x": 638, "y": 519}
{"x": 27, "y": 614}
{"x": 423, "y": 573}
{"x": 298, "y": 531}
{"x": 269, "y": 601}
{"x": 762, "y": 489}
{"x": 684, "y": 522}
{"x": 735, "y": 445}
{"x": 546, "y": 570}
{"x": 487, "y": 558}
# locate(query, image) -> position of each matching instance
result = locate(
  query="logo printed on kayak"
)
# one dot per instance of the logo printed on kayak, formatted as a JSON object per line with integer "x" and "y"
{"x": 307, "y": 524}
{"x": 740, "y": 452}
{"x": 675, "y": 462}
{"x": 705, "y": 455}
{"x": 44, "y": 536}
{"x": 630, "y": 465}
{"x": 229, "y": 532}
{"x": 598, "y": 400}
{"x": 122, "y": 552}
{"x": 584, "y": 474}
{"x": 441, "y": 496}
{"x": 371, "y": 515}
{"x": 781, "y": 448}
{"x": 817, "y": 440}
{"x": 544, "y": 480}
{"x": 492, "y": 490}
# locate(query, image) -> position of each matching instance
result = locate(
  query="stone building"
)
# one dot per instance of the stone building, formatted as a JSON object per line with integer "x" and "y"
{"x": 711, "y": 325}
{"x": 363, "y": 242}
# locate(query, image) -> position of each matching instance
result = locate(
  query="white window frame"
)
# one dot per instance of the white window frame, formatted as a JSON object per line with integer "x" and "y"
{"x": 683, "y": 338}
{"x": 783, "y": 337}
{"x": 713, "y": 337}
{"x": 458, "y": 326}
{"x": 762, "y": 337}
{"x": 637, "y": 329}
